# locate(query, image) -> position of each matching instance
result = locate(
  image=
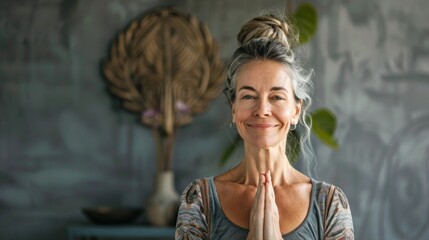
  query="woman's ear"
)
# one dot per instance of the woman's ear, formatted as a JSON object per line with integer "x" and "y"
{"x": 233, "y": 112}
{"x": 298, "y": 106}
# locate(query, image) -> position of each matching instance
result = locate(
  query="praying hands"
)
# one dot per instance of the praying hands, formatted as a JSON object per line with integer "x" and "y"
{"x": 264, "y": 215}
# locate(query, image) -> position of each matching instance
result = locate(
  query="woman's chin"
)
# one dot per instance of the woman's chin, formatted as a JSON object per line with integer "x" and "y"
{"x": 264, "y": 144}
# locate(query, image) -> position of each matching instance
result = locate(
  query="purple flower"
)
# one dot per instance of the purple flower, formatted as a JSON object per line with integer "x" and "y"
{"x": 150, "y": 113}
{"x": 182, "y": 107}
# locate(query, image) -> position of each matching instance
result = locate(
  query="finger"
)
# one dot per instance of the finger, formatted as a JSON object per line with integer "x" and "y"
{"x": 261, "y": 196}
{"x": 261, "y": 206}
{"x": 257, "y": 196}
{"x": 271, "y": 217}
{"x": 258, "y": 202}
{"x": 257, "y": 218}
{"x": 270, "y": 186}
{"x": 270, "y": 196}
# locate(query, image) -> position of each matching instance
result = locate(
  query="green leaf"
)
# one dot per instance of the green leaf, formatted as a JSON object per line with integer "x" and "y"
{"x": 324, "y": 125}
{"x": 229, "y": 150}
{"x": 305, "y": 20}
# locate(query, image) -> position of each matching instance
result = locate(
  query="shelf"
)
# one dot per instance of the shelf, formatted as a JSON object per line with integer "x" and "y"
{"x": 122, "y": 231}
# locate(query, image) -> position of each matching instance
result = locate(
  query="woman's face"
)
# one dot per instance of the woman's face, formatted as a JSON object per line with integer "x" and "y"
{"x": 265, "y": 106}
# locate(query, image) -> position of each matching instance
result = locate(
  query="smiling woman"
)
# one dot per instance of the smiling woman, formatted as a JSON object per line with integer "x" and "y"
{"x": 264, "y": 196}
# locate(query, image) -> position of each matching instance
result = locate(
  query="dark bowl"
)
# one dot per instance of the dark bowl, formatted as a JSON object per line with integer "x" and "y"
{"x": 112, "y": 215}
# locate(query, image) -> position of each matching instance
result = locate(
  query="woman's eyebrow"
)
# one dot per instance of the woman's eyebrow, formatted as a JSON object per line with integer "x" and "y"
{"x": 247, "y": 88}
{"x": 279, "y": 89}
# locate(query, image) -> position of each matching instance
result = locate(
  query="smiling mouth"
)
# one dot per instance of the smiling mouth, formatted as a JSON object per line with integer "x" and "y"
{"x": 262, "y": 126}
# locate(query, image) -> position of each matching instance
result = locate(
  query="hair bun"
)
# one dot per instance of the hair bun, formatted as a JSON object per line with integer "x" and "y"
{"x": 268, "y": 26}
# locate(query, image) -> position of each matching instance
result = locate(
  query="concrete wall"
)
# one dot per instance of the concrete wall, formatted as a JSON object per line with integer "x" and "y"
{"x": 65, "y": 143}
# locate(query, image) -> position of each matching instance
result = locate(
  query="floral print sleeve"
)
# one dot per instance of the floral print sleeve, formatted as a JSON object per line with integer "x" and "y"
{"x": 191, "y": 221}
{"x": 339, "y": 223}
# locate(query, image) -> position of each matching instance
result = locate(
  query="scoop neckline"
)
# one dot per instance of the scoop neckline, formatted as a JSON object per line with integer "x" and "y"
{"x": 310, "y": 209}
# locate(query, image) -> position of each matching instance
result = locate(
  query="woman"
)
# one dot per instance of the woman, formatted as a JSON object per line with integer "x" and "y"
{"x": 264, "y": 197}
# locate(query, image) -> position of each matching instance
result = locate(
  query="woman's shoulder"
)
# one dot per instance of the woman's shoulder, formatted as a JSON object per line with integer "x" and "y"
{"x": 330, "y": 196}
{"x": 191, "y": 219}
{"x": 321, "y": 187}
{"x": 325, "y": 189}
{"x": 333, "y": 203}
{"x": 193, "y": 191}
{"x": 337, "y": 197}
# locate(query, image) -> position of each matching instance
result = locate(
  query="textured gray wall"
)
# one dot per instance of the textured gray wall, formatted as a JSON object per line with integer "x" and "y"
{"x": 65, "y": 143}
{"x": 372, "y": 69}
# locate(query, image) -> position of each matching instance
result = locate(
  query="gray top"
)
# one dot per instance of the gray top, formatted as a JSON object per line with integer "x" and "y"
{"x": 223, "y": 228}
{"x": 192, "y": 222}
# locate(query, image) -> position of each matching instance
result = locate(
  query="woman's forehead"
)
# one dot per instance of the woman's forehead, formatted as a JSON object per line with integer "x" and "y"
{"x": 266, "y": 73}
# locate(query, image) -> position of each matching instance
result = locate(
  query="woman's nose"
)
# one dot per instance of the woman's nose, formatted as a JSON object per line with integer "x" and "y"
{"x": 263, "y": 109}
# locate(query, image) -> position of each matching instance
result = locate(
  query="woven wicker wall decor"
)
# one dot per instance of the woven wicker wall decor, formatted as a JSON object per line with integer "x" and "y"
{"x": 166, "y": 67}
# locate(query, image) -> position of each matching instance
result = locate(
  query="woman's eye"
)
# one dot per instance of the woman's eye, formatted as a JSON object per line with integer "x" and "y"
{"x": 247, "y": 97}
{"x": 278, "y": 97}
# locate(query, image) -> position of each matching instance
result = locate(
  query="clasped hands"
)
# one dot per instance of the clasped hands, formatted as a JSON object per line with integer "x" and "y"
{"x": 264, "y": 221}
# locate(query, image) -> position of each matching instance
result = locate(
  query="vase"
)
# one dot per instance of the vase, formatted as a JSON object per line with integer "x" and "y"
{"x": 163, "y": 204}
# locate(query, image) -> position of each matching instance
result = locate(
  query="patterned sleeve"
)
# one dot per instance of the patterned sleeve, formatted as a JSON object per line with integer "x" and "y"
{"x": 339, "y": 223}
{"x": 191, "y": 221}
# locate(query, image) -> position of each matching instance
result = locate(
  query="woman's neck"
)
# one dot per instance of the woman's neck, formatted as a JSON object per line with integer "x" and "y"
{"x": 257, "y": 160}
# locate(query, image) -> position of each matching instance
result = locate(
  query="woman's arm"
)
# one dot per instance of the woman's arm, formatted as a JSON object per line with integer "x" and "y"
{"x": 191, "y": 221}
{"x": 339, "y": 223}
